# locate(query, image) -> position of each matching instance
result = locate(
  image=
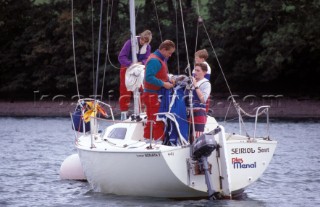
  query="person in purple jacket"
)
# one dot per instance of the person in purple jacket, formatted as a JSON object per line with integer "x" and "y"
{"x": 125, "y": 59}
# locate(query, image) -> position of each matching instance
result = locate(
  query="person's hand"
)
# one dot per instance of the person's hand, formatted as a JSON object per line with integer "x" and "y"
{"x": 167, "y": 85}
{"x": 137, "y": 63}
{"x": 194, "y": 82}
{"x": 173, "y": 80}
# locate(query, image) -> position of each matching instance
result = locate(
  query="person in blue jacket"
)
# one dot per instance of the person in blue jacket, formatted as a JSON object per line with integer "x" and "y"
{"x": 156, "y": 85}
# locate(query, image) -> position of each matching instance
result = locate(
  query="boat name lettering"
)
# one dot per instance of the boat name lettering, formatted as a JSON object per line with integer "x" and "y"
{"x": 242, "y": 150}
{"x": 171, "y": 154}
{"x": 148, "y": 155}
{"x": 237, "y": 160}
{"x": 152, "y": 155}
{"x": 261, "y": 150}
{"x": 238, "y": 163}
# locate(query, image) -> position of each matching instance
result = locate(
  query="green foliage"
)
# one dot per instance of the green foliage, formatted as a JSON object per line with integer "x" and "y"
{"x": 261, "y": 45}
{"x": 263, "y": 42}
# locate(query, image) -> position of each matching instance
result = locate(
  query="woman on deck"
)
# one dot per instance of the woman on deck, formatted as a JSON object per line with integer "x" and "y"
{"x": 125, "y": 59}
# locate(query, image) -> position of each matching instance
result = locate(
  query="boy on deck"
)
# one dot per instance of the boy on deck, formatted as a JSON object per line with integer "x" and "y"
{"x": 200, "y": 57}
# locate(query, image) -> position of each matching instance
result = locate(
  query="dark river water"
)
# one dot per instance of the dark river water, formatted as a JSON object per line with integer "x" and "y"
{"x": 32, "y": 150}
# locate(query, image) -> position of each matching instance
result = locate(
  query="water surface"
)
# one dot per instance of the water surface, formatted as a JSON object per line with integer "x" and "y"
{"x": 32, "y": 150}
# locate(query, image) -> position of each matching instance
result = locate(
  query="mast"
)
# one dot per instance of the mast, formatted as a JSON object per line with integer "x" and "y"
{"x": 136, "y": 94}
{"x": 133, "y": 30}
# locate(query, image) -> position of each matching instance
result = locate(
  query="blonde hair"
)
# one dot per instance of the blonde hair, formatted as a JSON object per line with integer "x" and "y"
{"x": 202, "y": 54}
{"x": 146, "y": 36}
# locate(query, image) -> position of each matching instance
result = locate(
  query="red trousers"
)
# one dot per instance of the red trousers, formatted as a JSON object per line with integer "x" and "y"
{"x": 153, "y": 105}
{"x": 125, "y": 95}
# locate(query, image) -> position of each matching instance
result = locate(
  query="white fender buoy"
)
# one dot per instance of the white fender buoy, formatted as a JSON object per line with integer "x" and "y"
{"x": 71, "y": 168}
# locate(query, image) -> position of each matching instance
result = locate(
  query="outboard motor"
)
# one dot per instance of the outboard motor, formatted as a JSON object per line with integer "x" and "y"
{"x": 202, "y": 148}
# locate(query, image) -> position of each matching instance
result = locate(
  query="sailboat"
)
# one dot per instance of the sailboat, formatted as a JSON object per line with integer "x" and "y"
{"x": 116, "y": 159}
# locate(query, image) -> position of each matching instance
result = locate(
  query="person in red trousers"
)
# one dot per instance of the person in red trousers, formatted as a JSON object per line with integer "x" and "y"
{"x": 156, "y": 81}
{"x": 125, "y": 59}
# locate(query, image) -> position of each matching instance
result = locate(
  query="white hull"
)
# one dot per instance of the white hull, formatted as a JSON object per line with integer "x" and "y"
{"x": 119, "y": 161}
{"x": 128, "y": 167}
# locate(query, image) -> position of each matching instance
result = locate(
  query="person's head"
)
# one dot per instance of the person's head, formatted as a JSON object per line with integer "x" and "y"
{"x": 201, "y": 55}
{"x": 145, "y": 37}
{"x": 200, "y": 70}
{"x": 166, "y": 48}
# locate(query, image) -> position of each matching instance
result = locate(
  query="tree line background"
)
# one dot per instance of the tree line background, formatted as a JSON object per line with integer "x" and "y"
{"x": 263, "y": 46}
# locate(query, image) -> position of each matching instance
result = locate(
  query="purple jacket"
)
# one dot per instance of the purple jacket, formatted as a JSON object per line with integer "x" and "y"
{"x": 125, "y": 56}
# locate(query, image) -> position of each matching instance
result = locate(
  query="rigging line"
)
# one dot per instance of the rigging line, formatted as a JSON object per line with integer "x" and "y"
{"x": 189, "y": 72}
{"x": 74, "y": 50}
{"x": 196, "y": 45}
{"x": 198, "y": 8}
{"x": 108, "y": 40}
{"x": 214, "y": 51}
{"x": 200, "y": 20}
{"x": 92, "y": 35}
{"x": 155, "y": 8}
{"x": 185, "y": 38}
{"x": 235, "y": 104}
{"x": 242, "y": 122}
{"x": 99, "y": 41}
{"x": 225, "y": 117}
{"x": 177, "y": 35}
{"x": 106, "y": 57}
{"x": 251, "y": 115}
{"x": 197, "y": 35}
